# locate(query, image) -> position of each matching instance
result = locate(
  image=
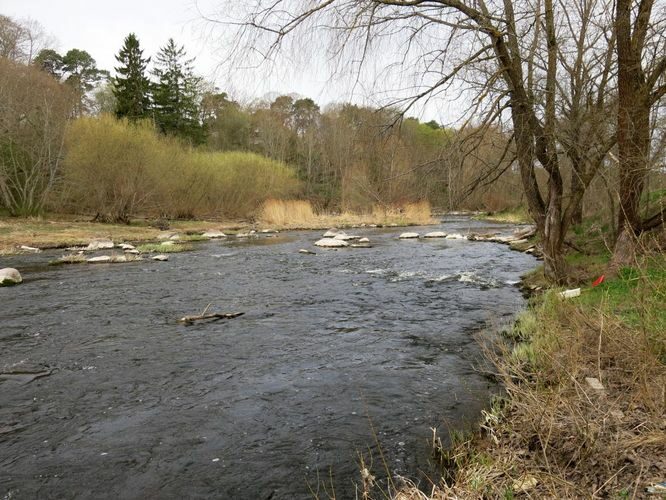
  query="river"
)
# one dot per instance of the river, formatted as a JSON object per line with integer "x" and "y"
{"x": 346, "y": 352}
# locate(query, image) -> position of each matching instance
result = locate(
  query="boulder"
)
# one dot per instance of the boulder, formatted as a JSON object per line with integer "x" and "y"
{"x": 102, "y": 259}
{"x": 408, "y": 236}
{"x": 161, "y": 257}
{"x": 132, "y": 251}
{"x": 26, "y": 248}
{"x": 331, "y": 243}
{"x": 455, "y": 236}
{"x": 214, "y": 234}
{"x": 10, "y": 276}
{"x": 331, "y": 233}
{"x": 126, "y": 246}
{"x": 361, "y": 245}
{"x": 99, "y": 244}
{"x": 364, "y": 240}
{"x": 435, "y": 234}
{"x": 346, "y": 237}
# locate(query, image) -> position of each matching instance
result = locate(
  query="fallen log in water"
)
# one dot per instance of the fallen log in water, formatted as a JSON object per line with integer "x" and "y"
{"x": 188, "y": 320}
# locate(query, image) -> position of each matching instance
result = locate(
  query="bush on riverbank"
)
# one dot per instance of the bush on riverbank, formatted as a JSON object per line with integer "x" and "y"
{"x": 116, "y": 169}
{"x": 559, "y": 434}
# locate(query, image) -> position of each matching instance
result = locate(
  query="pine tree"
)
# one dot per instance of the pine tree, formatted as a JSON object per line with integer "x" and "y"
{"x": 131, "y": 87}
{"x": 177, "y": 94}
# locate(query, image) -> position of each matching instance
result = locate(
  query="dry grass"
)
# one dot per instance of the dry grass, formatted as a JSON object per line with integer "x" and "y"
{"x": 66, "y": 231}
{"x": 555, "y": 436}
{"x": 297, "y": 214}
{"x": 286, "y": 213}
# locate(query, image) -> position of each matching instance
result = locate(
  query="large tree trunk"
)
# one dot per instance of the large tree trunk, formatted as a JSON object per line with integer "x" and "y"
{"x": 633, "y": 134}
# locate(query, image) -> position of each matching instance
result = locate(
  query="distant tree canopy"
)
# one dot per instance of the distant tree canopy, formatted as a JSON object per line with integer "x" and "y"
{"x": 176, "y": 94}
{"x": 131, "y": 87}
{"x": 76, "y": 68}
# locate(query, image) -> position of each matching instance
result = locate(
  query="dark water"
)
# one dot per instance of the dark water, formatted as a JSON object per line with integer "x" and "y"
{"x": 339, "y": 353}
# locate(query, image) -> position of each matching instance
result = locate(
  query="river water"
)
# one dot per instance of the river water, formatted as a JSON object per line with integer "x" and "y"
{"x": 346, "y": 352}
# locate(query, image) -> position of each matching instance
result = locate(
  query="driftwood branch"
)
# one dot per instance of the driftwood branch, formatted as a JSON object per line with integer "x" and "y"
{"x": 188, "y": 320}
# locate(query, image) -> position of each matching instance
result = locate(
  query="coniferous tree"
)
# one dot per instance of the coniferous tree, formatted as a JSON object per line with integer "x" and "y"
{"x": 177, "y": 94}
{"x": 131, "y": 88}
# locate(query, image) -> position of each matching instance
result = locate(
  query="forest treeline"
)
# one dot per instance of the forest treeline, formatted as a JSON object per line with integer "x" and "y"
{"x": 121, "y": 146}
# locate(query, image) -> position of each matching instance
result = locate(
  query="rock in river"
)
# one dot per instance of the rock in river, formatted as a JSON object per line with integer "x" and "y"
{"x": 435, "y": 234}
{"x": 331, "y": 233}
{"x": 102, "y": 259}
{"x": 214, "y": 234}
{"x": 161, "y": 257}
{"x": 409, "y": 236}
{"x": 331, "y": 243}
{"x": 345, "y": 237}
{"x": 10, "y": 276}
{"x": 99, "y": 244}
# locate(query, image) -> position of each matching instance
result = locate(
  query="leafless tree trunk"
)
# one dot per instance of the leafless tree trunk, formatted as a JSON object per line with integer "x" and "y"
{"x": 638, "y": 90}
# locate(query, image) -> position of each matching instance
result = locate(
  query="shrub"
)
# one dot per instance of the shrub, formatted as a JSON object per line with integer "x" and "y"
{"x": 115, "y": 169}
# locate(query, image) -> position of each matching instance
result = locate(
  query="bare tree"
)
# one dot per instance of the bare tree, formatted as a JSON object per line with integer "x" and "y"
{"x": 507, "y": 55}
{"x": 33, "y": 112}
{"x": 641, "y": 53}
{"x": 21, "y": 41}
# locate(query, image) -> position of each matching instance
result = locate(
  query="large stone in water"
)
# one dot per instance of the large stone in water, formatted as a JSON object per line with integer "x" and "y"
{"x": 102, "y": 259}
{"x": 435, "y": 234}
{"x": 345, "y": 237}
{"x": 331, "y": 243}
{"x": 99, "y": 244}
{"x": 214, "y": 234}
{"x": 409, "y": 236}
{"x": 10, "y": 276}
{"x": 331, "y": 233}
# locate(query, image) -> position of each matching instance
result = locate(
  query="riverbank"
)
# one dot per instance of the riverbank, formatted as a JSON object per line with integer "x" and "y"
{"x": 63, "y": 231}
{"x": 582, "y": 414}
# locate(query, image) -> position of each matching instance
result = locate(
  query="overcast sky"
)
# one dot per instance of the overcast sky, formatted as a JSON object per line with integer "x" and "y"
{"x": 100, "y": 27}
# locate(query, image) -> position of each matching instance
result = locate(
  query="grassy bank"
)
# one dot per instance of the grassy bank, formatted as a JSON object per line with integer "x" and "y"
{"x": 58, "y": 231}
{"x": 582, "y": 415}
{"x": 518, "y": 215}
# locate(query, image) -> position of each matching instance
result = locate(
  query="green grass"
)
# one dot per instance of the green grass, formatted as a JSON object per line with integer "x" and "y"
{"x": 162, "y": 248}
{"x": 518, "y": 215}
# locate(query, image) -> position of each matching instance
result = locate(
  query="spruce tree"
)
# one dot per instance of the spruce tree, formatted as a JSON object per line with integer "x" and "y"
{"x": 177, "y": 94}
{"x": 131, "y": 87}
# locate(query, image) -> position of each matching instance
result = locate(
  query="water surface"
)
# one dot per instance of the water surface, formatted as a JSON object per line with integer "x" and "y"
{"x": 339, "y": 353}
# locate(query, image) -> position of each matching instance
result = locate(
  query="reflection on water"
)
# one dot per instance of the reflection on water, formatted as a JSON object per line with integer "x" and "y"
{"x": 138, "y": 405}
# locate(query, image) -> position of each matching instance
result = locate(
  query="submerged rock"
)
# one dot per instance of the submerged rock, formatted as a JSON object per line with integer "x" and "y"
{"x": 455, "y": 236}
{"x": 331, "y": 243}
{"x": 10, "y": 276}
{"x": 100, "y": 244}
{"x": 435, "y": 234}
{"x": 308, "y": 252}
{"x": 408, "y": 236}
